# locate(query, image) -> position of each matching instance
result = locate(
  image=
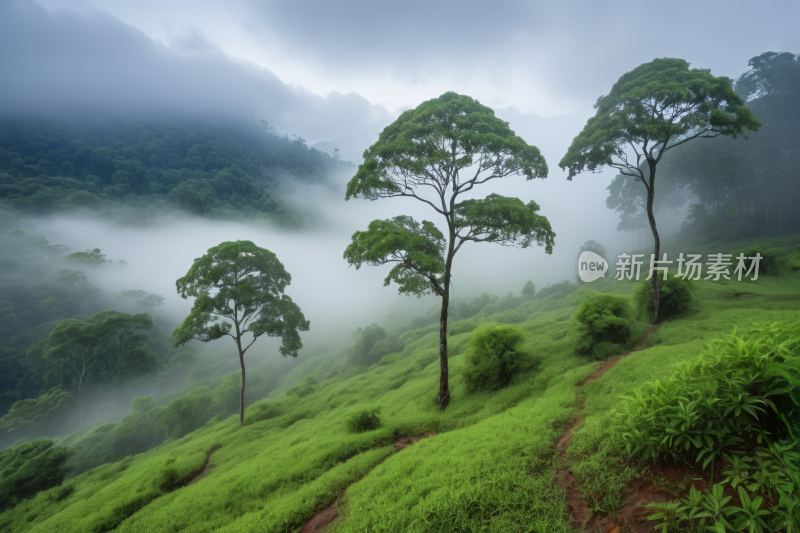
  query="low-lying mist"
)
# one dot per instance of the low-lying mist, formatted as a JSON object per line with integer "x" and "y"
{"x": 333, "y": 296}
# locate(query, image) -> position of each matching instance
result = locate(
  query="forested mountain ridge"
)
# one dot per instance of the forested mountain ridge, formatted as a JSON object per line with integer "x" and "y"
{"x": 215, "y": 171}
{"x": 42, "y": 289}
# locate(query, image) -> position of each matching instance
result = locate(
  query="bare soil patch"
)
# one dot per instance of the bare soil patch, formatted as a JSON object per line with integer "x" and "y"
{"x": 203, "y": 471}
{"x": 403, "y": 441}
{"x": 630, "y": 518}
{"x": 320, "y": 521}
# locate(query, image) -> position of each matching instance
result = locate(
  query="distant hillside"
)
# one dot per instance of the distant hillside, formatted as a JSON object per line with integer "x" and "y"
{"x": 211, "y": 170}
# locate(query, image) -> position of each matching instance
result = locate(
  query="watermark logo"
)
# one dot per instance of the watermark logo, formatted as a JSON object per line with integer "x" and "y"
{"x": 689, "y": 267}
{"x": 591, "y": 266}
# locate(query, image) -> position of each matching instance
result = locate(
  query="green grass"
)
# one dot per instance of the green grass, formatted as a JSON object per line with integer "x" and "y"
{"x": 489, "y": 468}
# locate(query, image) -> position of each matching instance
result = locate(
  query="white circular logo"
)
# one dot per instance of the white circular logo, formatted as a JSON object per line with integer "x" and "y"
{"x": 591, "y": 266}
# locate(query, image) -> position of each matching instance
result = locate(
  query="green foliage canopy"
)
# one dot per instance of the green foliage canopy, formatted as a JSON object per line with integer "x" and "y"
{"x": 428, "y": 145}
{"x": 417, "y": 249}
{"x": 651, "y": 110}
{"x": 92, "y": 258}
{"x": 35, "y": 411}
{"x": 247, "y": 284}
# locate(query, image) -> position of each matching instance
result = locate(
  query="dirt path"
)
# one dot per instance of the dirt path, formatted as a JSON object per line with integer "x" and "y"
{"x": 578, "y": 509}
{"x": 325, "y": 516}
{"x": 202, "y": 471}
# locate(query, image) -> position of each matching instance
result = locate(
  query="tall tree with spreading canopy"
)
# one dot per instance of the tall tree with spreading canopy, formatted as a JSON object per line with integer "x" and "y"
{"x": 243, "y": 283}
{"x": 650, "y": 110}
{"x": 72, "y": 343}
{"x": 426, "y": 150}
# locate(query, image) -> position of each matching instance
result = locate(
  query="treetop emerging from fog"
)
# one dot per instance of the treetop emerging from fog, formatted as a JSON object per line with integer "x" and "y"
{"x": 428, "y": 145}
{"x": 653, "y": 108}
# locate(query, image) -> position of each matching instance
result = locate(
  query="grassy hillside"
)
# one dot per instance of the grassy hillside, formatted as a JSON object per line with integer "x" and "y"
{"x": 489, "y": 463}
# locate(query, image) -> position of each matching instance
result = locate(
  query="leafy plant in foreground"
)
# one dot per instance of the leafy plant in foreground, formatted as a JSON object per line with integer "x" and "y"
{"x": 731, "y": 403}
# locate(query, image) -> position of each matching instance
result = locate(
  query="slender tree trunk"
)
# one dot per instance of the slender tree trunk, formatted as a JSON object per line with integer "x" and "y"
{"x": 656, "y": 241}
{"x": 444, "y": 388}
{"x": 241, "y": 362}
{"x": 80, "y": 396}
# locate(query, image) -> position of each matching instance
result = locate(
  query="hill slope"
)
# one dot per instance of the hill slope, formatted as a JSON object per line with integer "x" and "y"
{"x": 492, "y": 464}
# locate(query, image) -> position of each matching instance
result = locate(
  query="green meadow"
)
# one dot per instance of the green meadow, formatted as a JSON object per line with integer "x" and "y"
{"x": 489, "y": 466}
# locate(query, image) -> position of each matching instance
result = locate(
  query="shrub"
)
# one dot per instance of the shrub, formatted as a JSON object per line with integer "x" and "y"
{"x": 30, "y": 467}
{"x": 364, "y": 420}
{"x": 604, "y": 324}
{"x": 110, "y": 458}
{"x": 494, "y": 358}
{"x": 136, "y": 433}
{"x": 459, "y": 327}
{"x": 388, "y": 359}
{"x": 675, "y": 297}
{"x": 304, "y": 388}
{"x": 768, "y": 266}
{"x": 61, "y": 493}
{"x": 260, "y": 411}
{"x": 185, "y": 413}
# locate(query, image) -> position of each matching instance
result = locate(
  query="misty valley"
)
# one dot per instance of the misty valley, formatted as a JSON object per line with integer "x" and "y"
{"x": 204, "y": 325}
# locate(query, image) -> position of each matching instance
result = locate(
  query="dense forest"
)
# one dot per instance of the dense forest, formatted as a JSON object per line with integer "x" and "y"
{"x": 211, "y": 170}
{"x": 46, "y": 294}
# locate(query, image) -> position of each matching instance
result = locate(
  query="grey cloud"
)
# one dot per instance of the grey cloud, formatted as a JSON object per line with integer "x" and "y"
{"x": 66, "y": 65}
{"x": 575, "y": 50}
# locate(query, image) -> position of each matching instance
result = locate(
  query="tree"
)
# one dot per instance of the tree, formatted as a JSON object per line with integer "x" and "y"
{"x": 629, "y": 200}
{"x": 361, "y": 352}
{"x": 593, "y": 246}
{"x": 92, "y": 258}
{"x": 107, "y": 343}
{"x": 248, "y": 284}
{"x": 71, "y": 342}
{"x": 529, "y": 289}
{"x": 754, "y": 186}
{"x": 145, "y": 299}
{"x": 650, "y": 110}
{"x": 425, "y": 150}
{"x": 126, "y": 351}
{"x": 33, "y": 412}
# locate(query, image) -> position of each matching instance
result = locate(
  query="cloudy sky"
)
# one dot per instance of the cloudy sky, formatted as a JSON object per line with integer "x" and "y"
{"x": 336, "y": 73}
{"x": 542, "y": 57}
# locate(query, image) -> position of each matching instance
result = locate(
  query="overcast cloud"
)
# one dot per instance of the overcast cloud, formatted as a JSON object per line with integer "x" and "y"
{"x": 542, "y": 57}
{"x": 338, "y": 73}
